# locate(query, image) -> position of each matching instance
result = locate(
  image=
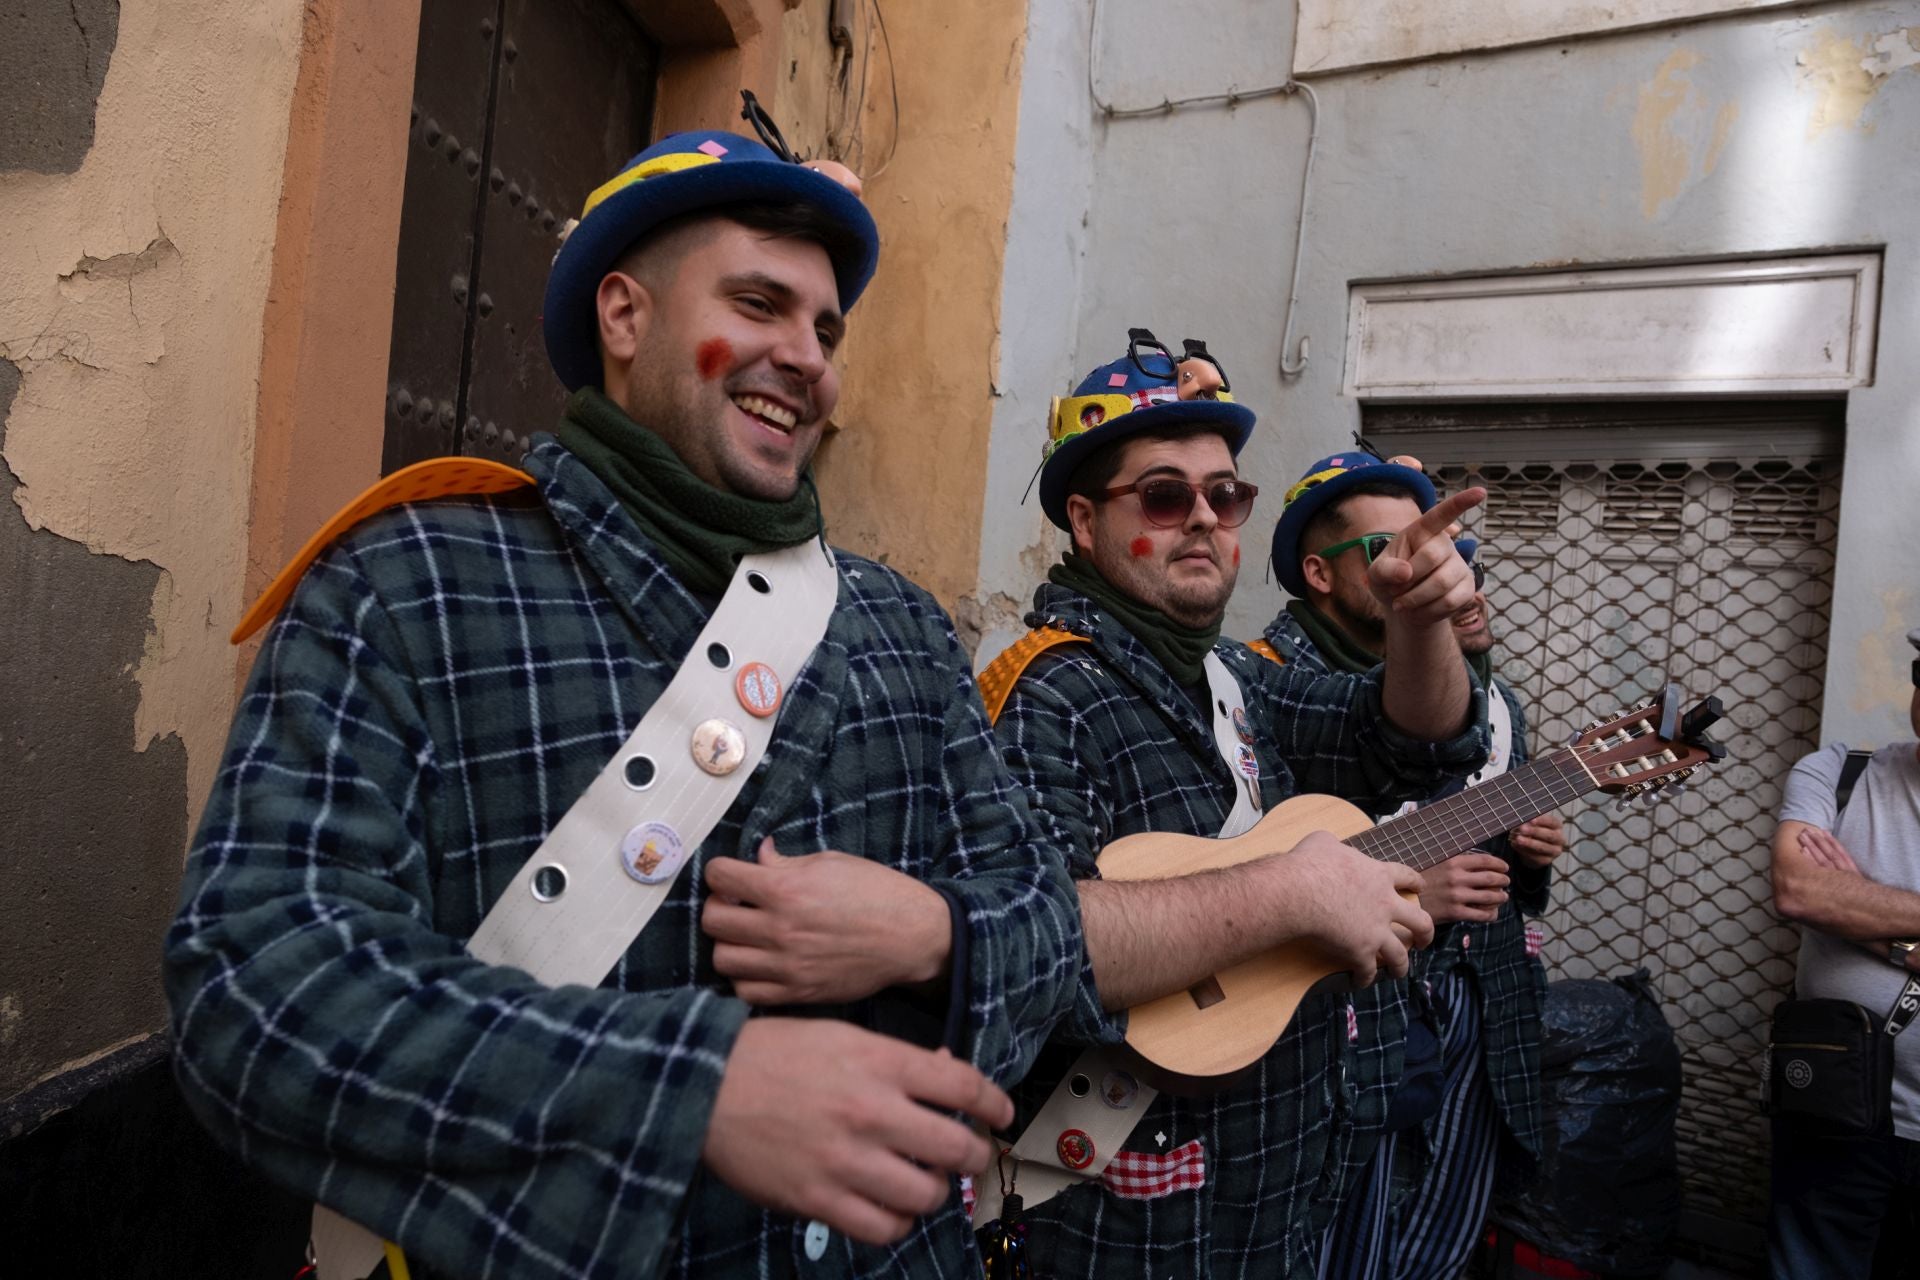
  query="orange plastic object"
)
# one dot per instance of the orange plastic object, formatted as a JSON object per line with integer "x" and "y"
{"x": 1266, "y": 651}
{"x": 997, "y": 681}
{"x": 434, "y": 478}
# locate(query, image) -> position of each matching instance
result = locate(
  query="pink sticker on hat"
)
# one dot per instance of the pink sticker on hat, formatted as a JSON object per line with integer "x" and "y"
{"x": 1116, "y": 379}
{"x": 1338, "y": 462}
{"x": 712, "y": 148}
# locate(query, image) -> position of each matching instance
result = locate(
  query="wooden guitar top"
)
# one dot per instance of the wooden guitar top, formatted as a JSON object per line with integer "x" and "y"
{"x": 1223, "y": 1027}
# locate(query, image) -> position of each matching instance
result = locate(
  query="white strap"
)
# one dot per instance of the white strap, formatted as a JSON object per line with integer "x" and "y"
{"x": 1039, "y": 1172}
{"x": 1233, "y": 738}
{"x": 1097, "y": 1104}
{"x": 622, "y": 845}
{"x": 1500, "y": 730}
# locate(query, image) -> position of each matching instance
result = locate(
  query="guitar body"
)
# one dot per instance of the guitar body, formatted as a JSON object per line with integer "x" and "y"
{"x": 1193, "y": 1039}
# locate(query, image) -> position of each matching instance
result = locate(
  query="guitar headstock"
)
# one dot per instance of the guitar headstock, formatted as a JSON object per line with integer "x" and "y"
{"x": 1639, "y": 753}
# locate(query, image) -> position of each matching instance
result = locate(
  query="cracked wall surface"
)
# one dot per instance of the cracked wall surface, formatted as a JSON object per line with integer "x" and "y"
{"x": 53, "y": 62}
{"x": 133, "y": 285}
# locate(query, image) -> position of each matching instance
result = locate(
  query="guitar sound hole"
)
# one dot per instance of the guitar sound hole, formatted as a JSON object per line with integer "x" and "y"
{"x": 1207, "y": 994}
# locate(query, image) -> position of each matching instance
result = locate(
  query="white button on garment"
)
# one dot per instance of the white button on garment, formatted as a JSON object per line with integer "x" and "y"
{"x": 816, "y": 1240}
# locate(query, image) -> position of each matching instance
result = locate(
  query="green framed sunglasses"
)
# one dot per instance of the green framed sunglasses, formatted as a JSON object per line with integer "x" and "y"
{"x": 1375, "y": 543}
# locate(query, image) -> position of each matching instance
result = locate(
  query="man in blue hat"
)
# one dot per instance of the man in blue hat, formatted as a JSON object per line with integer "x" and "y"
{"x": 1453, "y": 1055}
{"x": 460, "y": 687}
{"x": 1124, "y": 711}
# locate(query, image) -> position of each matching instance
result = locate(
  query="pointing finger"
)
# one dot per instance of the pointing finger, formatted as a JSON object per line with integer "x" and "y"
{"x": 1434, "y": 521}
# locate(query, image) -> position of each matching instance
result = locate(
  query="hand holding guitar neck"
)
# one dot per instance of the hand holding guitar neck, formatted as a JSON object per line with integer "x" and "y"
{"x": 1356, "y": 908}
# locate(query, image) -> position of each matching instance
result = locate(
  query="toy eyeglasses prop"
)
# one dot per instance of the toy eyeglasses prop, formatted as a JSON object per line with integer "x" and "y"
{"x": 756, "y": 115}
{"x": 1196, "y": 374}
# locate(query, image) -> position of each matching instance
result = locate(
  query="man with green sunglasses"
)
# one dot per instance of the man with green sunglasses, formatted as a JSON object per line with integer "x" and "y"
{"x": 1452, "y": 1056}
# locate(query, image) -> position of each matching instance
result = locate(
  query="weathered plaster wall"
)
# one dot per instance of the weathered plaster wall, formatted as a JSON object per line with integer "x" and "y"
{"x": 131, "y": 299}
{"x": 1774, "y": 132}
{"x": 53, "y": 61}
{"x": 1335, "y": 36}
{"x": 905, "y": 474}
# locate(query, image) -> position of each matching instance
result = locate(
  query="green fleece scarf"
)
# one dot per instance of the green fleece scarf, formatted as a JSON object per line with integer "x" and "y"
{"x": 701, "y": 531}
{"x": 1181, "y": 649}
{"x": 1342, "y": 654}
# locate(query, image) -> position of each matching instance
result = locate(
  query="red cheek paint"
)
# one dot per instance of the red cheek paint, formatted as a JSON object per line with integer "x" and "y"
{"x": 713, "y": 357}
{"x": 1140, "y": 547}
{"x": 1236, "y": 557}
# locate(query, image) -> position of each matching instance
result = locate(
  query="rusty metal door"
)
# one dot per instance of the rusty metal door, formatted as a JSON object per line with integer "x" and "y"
{"x": 1626, "y": 543}
{"x": 520, "y": 108}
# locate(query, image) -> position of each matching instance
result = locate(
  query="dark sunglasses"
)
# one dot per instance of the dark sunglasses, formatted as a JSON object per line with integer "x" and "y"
{"x": 1167, "y": 502}
{"x": 756, "y": 115}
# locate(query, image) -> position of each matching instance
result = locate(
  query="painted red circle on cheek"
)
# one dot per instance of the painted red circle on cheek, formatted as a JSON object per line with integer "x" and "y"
{"x": 1236, "y": 557}
{"x": 1140, "y": 547}
{"x": 712, "y": 358}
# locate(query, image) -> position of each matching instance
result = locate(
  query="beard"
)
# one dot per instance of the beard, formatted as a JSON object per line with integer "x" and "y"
{"x": 694, "y": 416}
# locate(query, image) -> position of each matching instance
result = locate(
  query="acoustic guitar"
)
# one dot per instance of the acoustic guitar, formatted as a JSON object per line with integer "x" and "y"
{"x": 1198, "y": 1039}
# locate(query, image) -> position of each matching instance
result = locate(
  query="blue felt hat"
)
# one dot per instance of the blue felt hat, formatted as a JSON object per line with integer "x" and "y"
{"x": 1324, "y": 482}
{"x": 1118, "y": 401}
{"x": 683, "y": 173}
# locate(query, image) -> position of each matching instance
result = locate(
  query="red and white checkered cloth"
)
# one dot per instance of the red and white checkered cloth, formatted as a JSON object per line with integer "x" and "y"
{"x": 1536, "y": 939}
{"x": 1143, "y": 1175}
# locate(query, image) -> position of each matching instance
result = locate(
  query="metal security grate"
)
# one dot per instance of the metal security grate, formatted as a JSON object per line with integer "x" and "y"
{"x": 1706, "y": 556}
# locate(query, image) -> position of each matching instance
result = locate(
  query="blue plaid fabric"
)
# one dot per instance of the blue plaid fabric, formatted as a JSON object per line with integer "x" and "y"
{"x": 1110, "y": 746}
{"x": 447, "y": 680}
{"x": 1510, "y": 983}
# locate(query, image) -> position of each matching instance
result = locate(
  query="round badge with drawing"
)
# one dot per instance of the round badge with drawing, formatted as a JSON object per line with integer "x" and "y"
{"x": 1247, "y": 762}
{"x": 652, "y": 852}
{"x": 1075, "y": 1149}
{"x": 1241, "y": 726}
{"x": 1799, "y": 1073}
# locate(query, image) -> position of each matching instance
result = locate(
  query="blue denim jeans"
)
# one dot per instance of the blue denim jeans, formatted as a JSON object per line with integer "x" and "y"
{"x": 1831, "y": 1197}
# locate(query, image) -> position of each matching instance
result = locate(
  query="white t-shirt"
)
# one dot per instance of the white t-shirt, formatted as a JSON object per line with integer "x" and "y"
{"x": 1881, "y": 829}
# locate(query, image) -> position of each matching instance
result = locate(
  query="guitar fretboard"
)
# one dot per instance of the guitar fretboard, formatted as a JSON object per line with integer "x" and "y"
{"x": 1435, "y": 832}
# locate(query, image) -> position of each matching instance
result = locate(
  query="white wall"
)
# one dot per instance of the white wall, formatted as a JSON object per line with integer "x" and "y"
{"x": 1756, "y": 134}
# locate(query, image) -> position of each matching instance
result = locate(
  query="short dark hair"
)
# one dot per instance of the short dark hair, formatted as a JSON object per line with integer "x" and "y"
{"x": 1330, "y": 523}
{"x": 773, "y": 220}
{"x": 1095, "y": 475}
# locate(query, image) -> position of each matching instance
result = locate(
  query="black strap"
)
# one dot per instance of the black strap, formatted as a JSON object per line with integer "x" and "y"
{"x": 1849, "y": 774}
{"x": 1905, "y": 1006}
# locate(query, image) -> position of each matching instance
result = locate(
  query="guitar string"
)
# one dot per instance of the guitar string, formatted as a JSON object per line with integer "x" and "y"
{"x": 1494, "y": 806}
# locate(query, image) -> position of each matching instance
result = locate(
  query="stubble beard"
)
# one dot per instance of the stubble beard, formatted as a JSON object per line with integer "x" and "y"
{"x": 694, "y": 418}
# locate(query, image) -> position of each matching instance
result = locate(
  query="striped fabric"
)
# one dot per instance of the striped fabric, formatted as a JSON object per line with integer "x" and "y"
{"x": 1109, "y": 745}
{"x": 444, "y": 683}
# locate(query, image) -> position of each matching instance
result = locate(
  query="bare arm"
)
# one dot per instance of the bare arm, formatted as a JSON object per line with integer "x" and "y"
{"x": 1813, "y": 889}
{"x": 1150, "y": 938}
{"x": 1422, "y": 581}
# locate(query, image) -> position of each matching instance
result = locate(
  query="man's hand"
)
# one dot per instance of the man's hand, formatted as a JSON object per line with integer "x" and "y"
{"x": 1539, "y": 842}
{"x": 819, "y": 1119}
{"x": 1824, "y": 849}
{"x": 822, "y": 928}
{"x": 1354, "y": 905}
{"x": 1469, "y": 886}
{"x": 1420, "y": 576}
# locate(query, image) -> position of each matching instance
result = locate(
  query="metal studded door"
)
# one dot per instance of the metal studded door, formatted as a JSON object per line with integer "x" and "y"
{"x": 520, "y": 109}
{"x": 1623, "y": 544}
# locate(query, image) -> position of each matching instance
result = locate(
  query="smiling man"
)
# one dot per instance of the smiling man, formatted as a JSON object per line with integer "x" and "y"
{"x": 459, "y": 688}
{"x": 1124, "y": 711}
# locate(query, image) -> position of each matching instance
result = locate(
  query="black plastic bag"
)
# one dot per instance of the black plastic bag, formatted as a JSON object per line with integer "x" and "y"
{"x": 1606, "y": 1194}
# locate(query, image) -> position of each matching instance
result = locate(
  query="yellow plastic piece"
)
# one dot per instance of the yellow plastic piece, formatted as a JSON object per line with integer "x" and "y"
{"x": 672, "y": 162}
{"x": 396, "y": 1261}
{"x": 997, "y": 681}
{"x": 1266, "y": 651}
{"x": 434, "y": 478}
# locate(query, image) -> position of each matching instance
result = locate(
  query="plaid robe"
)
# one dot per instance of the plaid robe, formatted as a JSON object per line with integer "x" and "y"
{"x": 1511, "y": 984}
{"x": 446, "y": 681}
{"x": 1111, "y": 746}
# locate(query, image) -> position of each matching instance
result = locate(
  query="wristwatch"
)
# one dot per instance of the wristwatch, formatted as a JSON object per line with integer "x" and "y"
{"x": 1900, "y": 953}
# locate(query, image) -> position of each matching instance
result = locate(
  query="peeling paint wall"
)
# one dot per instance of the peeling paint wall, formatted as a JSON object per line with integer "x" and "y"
{"x": 133, "y": 279}
{"x": 53, "y": 62}
{"x": 904, "y": 476}
{"x": 1758, "y": 133}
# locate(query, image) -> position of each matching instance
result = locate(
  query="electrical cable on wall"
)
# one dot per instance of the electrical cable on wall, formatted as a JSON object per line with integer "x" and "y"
{"x": 1231, "y": 97}
{"x": 846, "y": 126}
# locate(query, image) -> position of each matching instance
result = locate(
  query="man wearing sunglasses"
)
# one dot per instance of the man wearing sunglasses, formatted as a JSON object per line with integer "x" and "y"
{"x": 1454, "y": 1053}
{"x": 816, "y": 819}
{"x": 1124, "y": 711}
